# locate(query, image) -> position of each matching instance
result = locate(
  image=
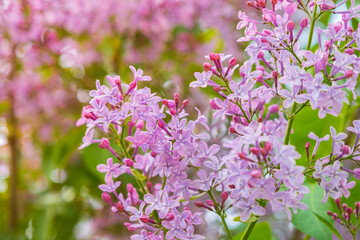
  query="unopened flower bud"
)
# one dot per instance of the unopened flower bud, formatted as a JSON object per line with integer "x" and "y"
{"x": 273, "y": 108}
{"x": 349, "y": 210}
{"x": 161, "y": 124}
{"x": 290, "y": 25}
{"x": 104, "y": 143}
{"x": 140, "y": 124}
{"x": 170, "y": 217}
{"x": 349, "y": 73}
{"x": 349, "y": 51}
{"x": 275, "y": 74}
{"x": 130, "y": 188}
{"x": 172, "y": 111}
{"x": 185, "y": 103}
{"x": 214, "y": 57}
{"x": 232, "y": 130}
{"x": 132, "y": 86}
{"x": 106, "y": 197}
{"x": 176, "y": 98}
{"x": 304, "y": 22}
{"x": 210, "y": 202}
{"x": 149, "y": 186}
{"x": 120, "y": 207}
{"x": 128, "y": 162}
{"x": 268, "y": 146}
{"x": 256, "y": 173}
{"x": 254, "y": 150}
{"x": 232, "y": 62}
{"x": 337, "y": 202}
{"x": 345, "y": 149}
{"x": 260, "y": 55}
{"x": 232, "y": 186}
{"x": 153, "y": 154}
{"x": 213, "y": 104}
{"x": 144, "y": 218}
{"x": 165, "y": 102}
{"x": 224, "y": 195}
{"x": 207, "y": 66}
{"x": 199, "y": 204}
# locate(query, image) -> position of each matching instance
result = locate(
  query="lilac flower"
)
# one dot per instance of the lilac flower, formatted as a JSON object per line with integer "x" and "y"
{"x": 356, "y": 128}
{"x": 111, "y": 170}
{"x": 248, "y": 208}
{"x": 201, "y": 79}
{"x": 110, "y": 186}
{"x": 337, "y": 137}
{"x": 138, "y": 75}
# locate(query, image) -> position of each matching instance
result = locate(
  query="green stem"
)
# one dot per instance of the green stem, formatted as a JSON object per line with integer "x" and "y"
{"x": 248, "y": 230}
{"x": 312, "y": 26}
{"x": 218, "y": 211}
{"x": 289, "y": 126}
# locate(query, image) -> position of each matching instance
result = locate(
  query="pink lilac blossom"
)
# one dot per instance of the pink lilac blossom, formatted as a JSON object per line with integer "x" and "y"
{"x": 254, "y": 165}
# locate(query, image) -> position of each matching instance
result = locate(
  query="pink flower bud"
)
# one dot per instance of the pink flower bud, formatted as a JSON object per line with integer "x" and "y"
{"x": 185, "y": 103}
{"x": 232, "y": 62}
{"x": 120, "y": 207}
{"x": 224, "y": 195}
{"x": 256, "y": 173}
{"x": 131, "y": 124}
{"x": 130, "y": 188}
{"x": 104, "y": 143}
{"x": 260, "y": 68}
{"x": 144, "y": 219}
{"x": 349, "y": 51}
{"x": 213, "y": 104}
{"x": 170, "y": 217}
{"x": 165, "y": 102}
{"x": 198, "y": 204}
{"x": 210, "y": 203}
{"x": 207, "y": 66}
{"x": 345, "y": 149}
{"x": 176, "y": 98}
{"x": 172, "y": 111}
{"x": 232, "y": 130}
{"x": 290, "y": 25}
{"x": 161, "y": 124}
{"x": 149, "y": 186}
{"x": 254, "y": 150}
{"x": 304, "y": 22}
{"x": 349, "y": 73}
{"x": 132, "y": 86}
{"x": 268, "y": 146}
{"x": 153, "y": 154}
{"x": 106, "y": 197}
{"x": 140, "y": 124}
{"x": 260, "y": 55}
{"x": 275, "y": 74}
{"x": 273, "y": 108}
{"x": 128, "y": 162}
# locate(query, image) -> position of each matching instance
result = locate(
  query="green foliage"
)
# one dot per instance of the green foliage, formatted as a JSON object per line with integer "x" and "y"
{"x": 310, "y": 221}
{"x": 261, "y": 230}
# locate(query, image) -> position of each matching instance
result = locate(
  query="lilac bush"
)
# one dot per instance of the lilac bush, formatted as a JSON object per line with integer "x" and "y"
{"x": 254, "y": 169}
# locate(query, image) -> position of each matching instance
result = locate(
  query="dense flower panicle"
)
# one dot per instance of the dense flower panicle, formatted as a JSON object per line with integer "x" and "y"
{"x": 254, "y": 164}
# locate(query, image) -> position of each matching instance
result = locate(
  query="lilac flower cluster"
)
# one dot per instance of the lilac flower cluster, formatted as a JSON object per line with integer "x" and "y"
{"x": 171, "y": 156}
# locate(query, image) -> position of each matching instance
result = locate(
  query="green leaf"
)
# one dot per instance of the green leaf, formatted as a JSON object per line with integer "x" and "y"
{"x": 328, "y": 224}
{"x": 93, "y": 156}
{"x": 138, "y": 175}
{"x": 261, "y": 230}
{"x": 306, "y": 221}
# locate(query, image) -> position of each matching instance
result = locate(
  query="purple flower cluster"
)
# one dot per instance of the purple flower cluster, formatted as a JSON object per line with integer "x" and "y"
{"x": 173, "y": 158}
